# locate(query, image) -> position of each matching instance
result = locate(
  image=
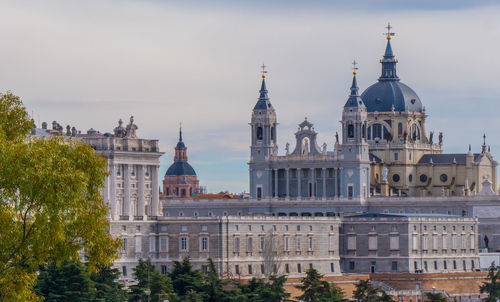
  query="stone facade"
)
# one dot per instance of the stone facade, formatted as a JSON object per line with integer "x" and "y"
{"x": 409, "y": 243}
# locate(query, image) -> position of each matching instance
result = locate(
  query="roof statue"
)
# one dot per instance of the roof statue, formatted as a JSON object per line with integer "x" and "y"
{"x": 131, "y": 128}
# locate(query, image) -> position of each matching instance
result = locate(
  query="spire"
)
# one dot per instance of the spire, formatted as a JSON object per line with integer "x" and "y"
{"x": 180, "y": 132}
{"x": 388, "y": 61}
{"x": 263, "y": 102}
{"x": 483, "y": 147}
{"x": 180, "y": 144}
{"x": 354, "y": 98}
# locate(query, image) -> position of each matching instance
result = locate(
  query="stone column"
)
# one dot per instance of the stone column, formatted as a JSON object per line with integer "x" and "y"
{"x": 276, "y": 183}
{"x": 126, "y": 191}
{"x": 140, "y": 190}
{"x": 112, "y": 192}
{"x": 299, "y": 191}
{"x": 340, "y": 181}
{"x": 287, "y": 183}
{"x": 323, "y": 171}
{"x": 336, "y": 181}
{"x": 154, "y": 190}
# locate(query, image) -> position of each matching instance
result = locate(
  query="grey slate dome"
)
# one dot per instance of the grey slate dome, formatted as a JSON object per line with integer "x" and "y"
{"x": 389, "y": 92}
{"x": 383, "y": 95}
{"x": 180, "y": 168}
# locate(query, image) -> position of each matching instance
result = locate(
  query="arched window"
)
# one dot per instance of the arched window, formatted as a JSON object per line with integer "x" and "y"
{"x": 259, "y": 133}
{"x": 350, "y": 131}
{"x": 400, "y": 129}
{"x": 363, "y": 131}
{"x": 415, "y": 133}
{"x": 273, "y": 133}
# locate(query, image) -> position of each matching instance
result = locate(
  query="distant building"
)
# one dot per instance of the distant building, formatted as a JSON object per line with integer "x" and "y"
{"x": 180, "y": 181}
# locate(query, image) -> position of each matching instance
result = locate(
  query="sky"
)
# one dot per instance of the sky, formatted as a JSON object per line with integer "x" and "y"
{"x": 90, "y": 63}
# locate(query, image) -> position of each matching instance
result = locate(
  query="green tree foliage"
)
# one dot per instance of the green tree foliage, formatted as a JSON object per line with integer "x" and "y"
{"x": 365, "y": 292}
{"x": 185, "y": 279}
{"x": 257, "y": 290}
{"x": 435, "y": 297}
{"x": 50, "y": 205}
{"x": 315, "y": 289}
{"x": 67, "y": 282}
{"x": 148, "y": 277}
{"x": 106, "y": 285}
{"x": 492, "y": 286}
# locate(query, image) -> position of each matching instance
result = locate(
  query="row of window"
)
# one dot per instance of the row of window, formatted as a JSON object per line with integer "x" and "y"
{"x": 132, "y": 170}
{"x": 425, "y": 240}
{"x": 287, "y": 268}
{"x": 423, "y": 178}
{"x": 275, "y": 228}
{"x": 434, "y": 227}
{"x": 271, "y": 242}
{"x": 163, "y": 241}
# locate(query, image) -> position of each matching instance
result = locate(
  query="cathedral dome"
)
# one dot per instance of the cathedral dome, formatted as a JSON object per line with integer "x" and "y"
{"x": 383, "y": 95}
{"x": 180, "y": 168}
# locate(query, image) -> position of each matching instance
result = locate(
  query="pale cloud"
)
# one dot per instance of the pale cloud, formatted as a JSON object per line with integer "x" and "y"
{"x": 89, "y": 63}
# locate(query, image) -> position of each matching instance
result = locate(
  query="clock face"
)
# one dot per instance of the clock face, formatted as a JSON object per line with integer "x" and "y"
{"x": 443, "y": 177}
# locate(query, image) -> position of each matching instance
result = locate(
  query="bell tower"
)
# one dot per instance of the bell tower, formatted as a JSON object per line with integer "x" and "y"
{"x": 354, "y": 116}
{"x": 263, "y": 143}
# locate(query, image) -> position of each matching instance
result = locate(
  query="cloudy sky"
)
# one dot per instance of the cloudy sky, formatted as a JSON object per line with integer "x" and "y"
{"x": 90, "y": 63}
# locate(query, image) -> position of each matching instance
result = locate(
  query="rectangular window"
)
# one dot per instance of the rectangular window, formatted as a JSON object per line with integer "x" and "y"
{"x": 464, "y": 242}
{"x": 125, "y": 245}
{"x": 396, "y": 156}
{"x": 275, "y": 243}
{"x": 261, "y": 244}
{"x": 164, "y": 270}
{"x": 351, "y": 243}
{"x": 262, "y": 269}
{"x": 394, "y": 265}
{"x": 372, "y": 243}
{"x": 204, "y": 244}
{"x": 424, "y": 242}
{"x": 394, "y": 243}
{"x": 287, "y": 268}
{"x": 163, "y": 243}
{"x": 435, "y": 242}
{"x": 454, "y": 242}
{"x": 152, "y": 244}
{"x": 299, "y": 268}
{"x": 183, "y": 246}
{"x": 415, "y": 242}
{"x": 415, "y": 265}
{"x": 138, "y": 244}
{"x": 287, "y": 246}
{"x": 250, "y": 269}
{"x": 124, "y": 271}
{"x": 472, "y": 242}
{"x": 249, "y": 244}
{"x": 310, "y": 243}
{"x": 454, "y": 264}
{"x": 237, "y": 269}
{"x": 297, "y": 241}
{"x": 445, "y": 265}
{"x": 435, "y": 265}
{"x": 351, "y": 265}
{"x": 236, "y": 244}
{"x": 332, "y": 267}
{"x": 425, "y": 265}
{"x": 464, "y": 265}
{"x": 204, "y": 268}
{"x": 350, "y": 191}
{"x": 473, "y": 265}
{"x": 445, "y": 242}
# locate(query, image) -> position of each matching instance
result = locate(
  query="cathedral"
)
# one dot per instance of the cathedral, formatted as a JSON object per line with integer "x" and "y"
{"x": 385, "y": 150}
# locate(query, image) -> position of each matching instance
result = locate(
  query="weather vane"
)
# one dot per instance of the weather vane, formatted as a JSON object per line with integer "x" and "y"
{"x": 354, "y": 68}
{"x": 264, "y": 71}
{"x": 389, "y": 34}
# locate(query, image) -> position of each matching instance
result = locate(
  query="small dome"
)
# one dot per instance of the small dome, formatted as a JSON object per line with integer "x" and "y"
{"x": 180, "y": 168}
{"x": 382, "y": 95}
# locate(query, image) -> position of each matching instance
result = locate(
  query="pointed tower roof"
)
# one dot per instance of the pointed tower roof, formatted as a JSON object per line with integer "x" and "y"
{"x": 354, "y": 98}
{"x": 180, "y": 167}
{"x": 180, "y": 144}
{"x": 263, "y": 103}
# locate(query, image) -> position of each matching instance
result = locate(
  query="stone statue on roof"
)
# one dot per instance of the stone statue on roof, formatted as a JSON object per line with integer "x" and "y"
{"x": 131, "y": 128}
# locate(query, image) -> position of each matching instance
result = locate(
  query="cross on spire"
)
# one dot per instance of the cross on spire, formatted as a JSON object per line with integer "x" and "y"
{"x": 389, "y": 33}
{"x": 264, "y": 71}
{"x": 354, "y": 68}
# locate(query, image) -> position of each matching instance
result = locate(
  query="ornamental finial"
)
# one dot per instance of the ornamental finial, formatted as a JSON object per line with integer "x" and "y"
{"x": 264, "y": 71}
{"x": 389, "y": 33}
{"x": 354, "y": 68}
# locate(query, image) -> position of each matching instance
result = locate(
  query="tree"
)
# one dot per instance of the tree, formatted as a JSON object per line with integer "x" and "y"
{"x": 271, "y": 254}
{"x": 147, "y": 276}
{"x": 315, "y": 289}
{"x": 106, "y": 285}
{"x": 184, "y": 278}
{"x": 257, "y": 290}
{"x": 435, "y": 297}
{"x": 68, "y": 282}
{"x": 213, "y": 285}
{"x": 492, "y": 286}
{"x": 50, "y": 205}
{"x": 365, "y": 292}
